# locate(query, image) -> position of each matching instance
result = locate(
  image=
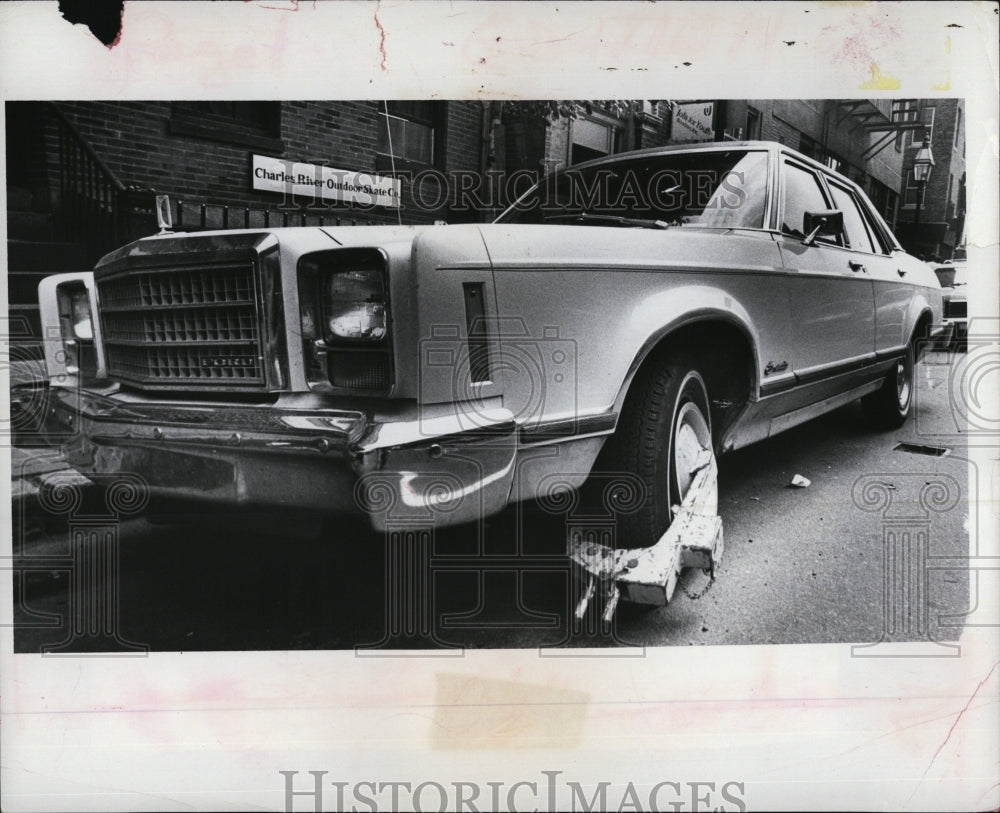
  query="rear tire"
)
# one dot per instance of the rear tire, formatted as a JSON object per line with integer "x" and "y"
{"x": 664, "y": 427}
{"x": 890, "y": 406}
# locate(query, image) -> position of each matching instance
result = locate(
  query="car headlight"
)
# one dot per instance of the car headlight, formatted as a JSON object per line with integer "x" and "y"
{"x": 354, "y": 305}
{"x": 346, "y": 322}
{"x": 79, "y": 303}
{"x": 76, "y": 327}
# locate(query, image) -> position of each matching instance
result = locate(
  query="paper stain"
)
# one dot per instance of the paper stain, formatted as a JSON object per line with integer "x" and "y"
{"x": 474, "y": 712}
{"x": 866, "y": 30}
{"x": 946, "y": 84}
{"x": 954, "y": 725}
{"x": 294, "y": 6}
{"x": 879, "y": 81}
{"x": 381, "y": 36}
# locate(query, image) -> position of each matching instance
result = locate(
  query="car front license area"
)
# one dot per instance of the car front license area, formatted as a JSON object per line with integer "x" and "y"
{"x": 442, "y": 470}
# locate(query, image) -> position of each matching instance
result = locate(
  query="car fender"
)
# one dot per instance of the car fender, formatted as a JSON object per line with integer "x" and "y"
{"x": 665, "y": 314}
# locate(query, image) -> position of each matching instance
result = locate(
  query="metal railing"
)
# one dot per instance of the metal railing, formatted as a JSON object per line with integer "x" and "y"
{"x": 89, "y": 211}
{"x": 884, "y": 106}
{"x": 98, "y": 212}
{"x": 191, "y": 215}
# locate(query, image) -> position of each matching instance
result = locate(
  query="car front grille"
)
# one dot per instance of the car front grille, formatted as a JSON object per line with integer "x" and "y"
{"x": 194, "y": 326}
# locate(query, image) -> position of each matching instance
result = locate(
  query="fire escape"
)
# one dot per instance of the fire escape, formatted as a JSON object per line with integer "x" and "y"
{"x": 885, "y": 118}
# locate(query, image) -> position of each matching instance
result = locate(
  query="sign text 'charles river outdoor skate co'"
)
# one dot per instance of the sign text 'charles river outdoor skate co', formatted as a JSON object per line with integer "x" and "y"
{"x": 323, "y": 182}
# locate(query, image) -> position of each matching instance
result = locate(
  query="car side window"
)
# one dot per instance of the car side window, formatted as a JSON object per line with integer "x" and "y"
{"x": 802, "y": 194}
{"x": 878, "y": 237}
{"x": 854, "y": 225}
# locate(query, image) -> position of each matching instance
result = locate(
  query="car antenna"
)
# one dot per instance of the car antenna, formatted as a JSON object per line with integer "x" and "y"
{"x": 392, "y": 156}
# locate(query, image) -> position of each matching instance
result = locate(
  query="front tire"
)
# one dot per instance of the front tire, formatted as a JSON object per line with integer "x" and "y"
{"x": 664, "y": 430}
{"x": 890, "y": 406}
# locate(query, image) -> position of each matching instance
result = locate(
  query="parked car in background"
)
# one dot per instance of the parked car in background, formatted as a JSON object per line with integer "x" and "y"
{"x": 954, "y": 278}
{"x": 633, "y": 315}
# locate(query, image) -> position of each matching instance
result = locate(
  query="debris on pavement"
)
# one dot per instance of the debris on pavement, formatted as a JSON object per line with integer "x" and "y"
{"x": 800, "y": 482}
{"x": 922, "y": 448}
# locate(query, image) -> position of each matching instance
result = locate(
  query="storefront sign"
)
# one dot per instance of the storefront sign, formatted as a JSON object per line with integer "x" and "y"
{"x": 323, "y": 183}
{"x": 693, "y": 122}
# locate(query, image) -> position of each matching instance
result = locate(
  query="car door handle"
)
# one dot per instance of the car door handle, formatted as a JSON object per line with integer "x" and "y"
{"x": 901, "y": 272}
{"x": 855, "y": 266}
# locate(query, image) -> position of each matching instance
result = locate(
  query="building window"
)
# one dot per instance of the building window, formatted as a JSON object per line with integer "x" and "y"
{"x": 904, "y": 111}
{"x": 913, "y": 191}
{"x": 252, "y": 124}
{"x": 856, "y": 174}
{"x": 753, "y": 124}
{"x": 891, "y": 206}
{"x": 950, "y": 211}
{"x": 926, "y": 133}
{"x": 829, "y": 159}
{"x": 807, "y": 146}
{"x": 812, "y": 148}
{"x": 958, "y": 129}
{"x": 884, "y": 200}
{"x": 592, "y": 138}
{"x": 406, "y": 131}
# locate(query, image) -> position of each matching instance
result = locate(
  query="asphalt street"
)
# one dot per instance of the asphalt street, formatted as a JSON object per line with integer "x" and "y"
{"x": 801, "y": 565}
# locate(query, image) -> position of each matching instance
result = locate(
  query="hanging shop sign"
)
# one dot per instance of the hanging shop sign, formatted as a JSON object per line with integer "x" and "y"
{"x": 322, "y": 182}
{"x": 693, "y": 122}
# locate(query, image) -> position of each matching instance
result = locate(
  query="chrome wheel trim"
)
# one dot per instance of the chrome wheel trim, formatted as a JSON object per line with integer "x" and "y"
{"x": 691, "y": 439}
{"x": 904, "y": 384}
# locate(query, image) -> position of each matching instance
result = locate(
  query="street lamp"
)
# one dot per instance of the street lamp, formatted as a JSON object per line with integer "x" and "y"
{"x": 922, "y": 163}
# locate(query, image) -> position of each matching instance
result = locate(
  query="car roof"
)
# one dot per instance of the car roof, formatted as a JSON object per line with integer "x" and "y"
{"x": 772, "y": 147}
{"x": 700, "y": 146}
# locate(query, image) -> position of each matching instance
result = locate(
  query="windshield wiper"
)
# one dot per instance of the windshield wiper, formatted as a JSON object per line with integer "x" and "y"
{"x": 616, "y": 220}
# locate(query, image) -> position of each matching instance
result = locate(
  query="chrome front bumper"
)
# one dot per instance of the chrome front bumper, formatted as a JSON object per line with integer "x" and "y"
{"x": 947, "y": 332}
{"x": 959, "y": 327}
{"x": 412, "y": 471}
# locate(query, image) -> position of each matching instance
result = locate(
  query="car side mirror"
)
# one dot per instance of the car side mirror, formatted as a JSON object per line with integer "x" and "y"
{"x": 829, "y": 223}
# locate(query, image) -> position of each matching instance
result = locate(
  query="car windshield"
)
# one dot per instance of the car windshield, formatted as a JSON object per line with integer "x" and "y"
{"x": 951, "y": 276}
{"x": 718, "y": 188}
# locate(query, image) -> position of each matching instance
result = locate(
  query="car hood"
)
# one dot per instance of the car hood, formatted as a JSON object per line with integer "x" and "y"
{"x": 547, "y": 245}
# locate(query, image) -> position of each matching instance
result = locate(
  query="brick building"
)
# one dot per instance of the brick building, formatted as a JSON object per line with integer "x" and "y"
{"x": 854, "y": 137}
{"x": 870, "y": 141}
{"x": 935, "y": 228}
{"x": 82, "y": 176}
{"x": 200, "y": 152}
{"x": 873, "y": 142}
